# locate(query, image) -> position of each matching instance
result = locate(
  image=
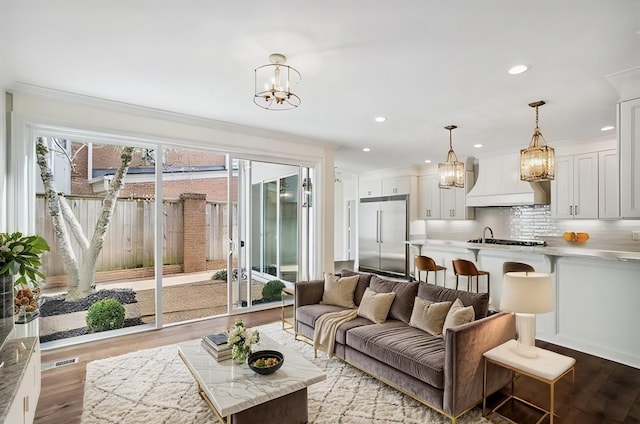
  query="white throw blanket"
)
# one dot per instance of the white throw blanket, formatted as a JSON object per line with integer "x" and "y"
{"x": 324, "y": 333}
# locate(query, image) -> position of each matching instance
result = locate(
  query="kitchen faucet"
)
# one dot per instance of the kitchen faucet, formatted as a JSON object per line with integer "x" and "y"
{"x": 484, "y": 233}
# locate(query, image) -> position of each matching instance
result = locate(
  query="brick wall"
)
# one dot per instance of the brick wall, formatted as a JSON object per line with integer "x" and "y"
{"x": 194, "y": 221}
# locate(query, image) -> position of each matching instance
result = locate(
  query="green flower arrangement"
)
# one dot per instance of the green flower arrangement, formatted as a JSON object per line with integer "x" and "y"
{"x": 20, "y": 255}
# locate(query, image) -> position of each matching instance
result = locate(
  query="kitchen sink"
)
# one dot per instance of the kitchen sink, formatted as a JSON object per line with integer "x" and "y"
{"x": 506, "y": 242}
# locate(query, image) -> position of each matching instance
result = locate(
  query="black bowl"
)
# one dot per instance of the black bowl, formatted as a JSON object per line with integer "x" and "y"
{"x": 265, "y": 354}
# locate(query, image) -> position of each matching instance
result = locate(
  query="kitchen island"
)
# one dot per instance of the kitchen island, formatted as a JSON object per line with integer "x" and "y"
{"x": 596, "y": 291}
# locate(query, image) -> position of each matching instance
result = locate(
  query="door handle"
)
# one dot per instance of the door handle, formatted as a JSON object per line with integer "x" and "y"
{"x": 576, "y": 209}
{"x": 381, "y": 218}
{"x": 377, "y": 226}
{"x": 571, "y": 210}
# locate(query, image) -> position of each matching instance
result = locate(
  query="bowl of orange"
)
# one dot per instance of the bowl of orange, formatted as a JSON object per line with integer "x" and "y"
{"x": 572, "y": 237}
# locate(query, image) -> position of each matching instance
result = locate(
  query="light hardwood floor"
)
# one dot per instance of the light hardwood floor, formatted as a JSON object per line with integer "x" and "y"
{"x": 63, "y": 388}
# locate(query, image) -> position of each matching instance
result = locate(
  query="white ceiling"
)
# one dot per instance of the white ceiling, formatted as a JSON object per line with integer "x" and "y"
{"x": 423, "y": 64}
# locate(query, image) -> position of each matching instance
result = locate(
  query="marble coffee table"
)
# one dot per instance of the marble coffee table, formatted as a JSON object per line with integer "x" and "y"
{"x": 238, "y": 395}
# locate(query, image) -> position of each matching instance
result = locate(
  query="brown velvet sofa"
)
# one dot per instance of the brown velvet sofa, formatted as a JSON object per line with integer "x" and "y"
{"x": 443, "y": 372}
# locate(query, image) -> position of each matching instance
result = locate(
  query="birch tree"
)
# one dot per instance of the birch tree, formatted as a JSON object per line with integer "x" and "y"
{"x": 80, "y": 274}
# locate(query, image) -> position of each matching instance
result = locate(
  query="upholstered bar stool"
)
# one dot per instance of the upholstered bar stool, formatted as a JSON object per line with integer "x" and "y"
{"x": 516, "y": 267}
{"x": 464, "y": 268}
{"x": 425, "y": 263}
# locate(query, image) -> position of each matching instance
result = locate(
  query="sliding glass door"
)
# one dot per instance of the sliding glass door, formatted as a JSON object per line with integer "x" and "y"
{"x": 267, "y": 244}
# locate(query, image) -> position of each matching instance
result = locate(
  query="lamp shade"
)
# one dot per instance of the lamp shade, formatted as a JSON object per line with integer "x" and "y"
{"x": 527, "y": 293}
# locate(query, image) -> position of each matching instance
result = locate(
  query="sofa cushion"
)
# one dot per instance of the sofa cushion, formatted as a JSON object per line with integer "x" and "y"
{"x": 458, "y": 314}
{"x": 375, "y": 306}
{"x": 405, "y": 348}
{"x": 364, "y": 278}
{"x": 341, "y": 334}
{"x": 479, "y": 301}
{"x": 429, "y": 316}
{"x": 339, "y": 291}
{"x": 309, "y": 313}
{"x": 405, "y": 291}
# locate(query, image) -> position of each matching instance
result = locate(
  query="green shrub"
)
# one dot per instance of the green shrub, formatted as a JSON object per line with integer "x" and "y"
{"x": 105, "y": 314}
{"x": 272, "y": 290}
{"x": 220, "y": 275}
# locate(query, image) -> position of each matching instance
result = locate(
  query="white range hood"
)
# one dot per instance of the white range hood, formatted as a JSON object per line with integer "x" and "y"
{"x": 498, "y": 184}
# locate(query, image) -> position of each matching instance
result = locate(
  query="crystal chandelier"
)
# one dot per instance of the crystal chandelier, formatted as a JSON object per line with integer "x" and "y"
{"x": 537, "y": 162}
{"x": 451, "y": 172}
{"x": 273, "y": 85}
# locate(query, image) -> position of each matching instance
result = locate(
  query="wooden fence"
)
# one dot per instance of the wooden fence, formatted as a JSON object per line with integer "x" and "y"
{"x": 129, "y": 242}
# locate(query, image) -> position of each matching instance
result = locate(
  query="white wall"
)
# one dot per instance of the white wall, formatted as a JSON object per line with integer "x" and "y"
{"x": 45, "y": 112}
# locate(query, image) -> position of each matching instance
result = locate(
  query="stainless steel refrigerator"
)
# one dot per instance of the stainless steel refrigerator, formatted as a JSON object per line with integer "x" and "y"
{"x": 383, "y": 228}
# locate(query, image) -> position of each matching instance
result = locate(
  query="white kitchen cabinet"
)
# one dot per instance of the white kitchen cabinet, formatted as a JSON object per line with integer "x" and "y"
{"x": 453, "y": 201}
{"x": 372, "y": 188}
{"x": 385, "y": 187}
{"x": 454, "y": 204}
{"x": 574, "y": 192}
{"x": 437, "y": 203}
{"x": 629, "y": 149}
{"x": 608, "y": 184}
{"x": 398, "y": 185}
{"x": 429, "y": 197}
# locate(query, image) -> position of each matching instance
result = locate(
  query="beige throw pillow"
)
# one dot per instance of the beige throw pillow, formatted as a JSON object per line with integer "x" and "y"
{"x": 375, "y": 306}
{"x": 429, "y": 316}
{"x": 339, "y": 291}
{"x": 458, "y": 315}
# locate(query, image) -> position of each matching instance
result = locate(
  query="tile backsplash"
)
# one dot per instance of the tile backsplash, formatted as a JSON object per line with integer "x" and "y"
{"x": 529, "y": 222}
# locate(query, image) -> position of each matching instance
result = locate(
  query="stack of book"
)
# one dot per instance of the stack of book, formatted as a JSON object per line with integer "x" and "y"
{"x": 217, "y": 346}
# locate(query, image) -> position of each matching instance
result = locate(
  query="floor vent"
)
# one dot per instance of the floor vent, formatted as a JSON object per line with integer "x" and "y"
{"x": 61, "y": 363}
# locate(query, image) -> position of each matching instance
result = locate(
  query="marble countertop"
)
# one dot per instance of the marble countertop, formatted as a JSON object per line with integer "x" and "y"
{"x": 569, "y": 250}
{"x": 235, "y": 387}
{"x": 15, "y": 354}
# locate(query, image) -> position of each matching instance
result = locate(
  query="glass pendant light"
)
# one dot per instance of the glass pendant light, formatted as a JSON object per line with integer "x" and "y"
{"x": 451, "y": 172}
{"x": 537, "y": 162}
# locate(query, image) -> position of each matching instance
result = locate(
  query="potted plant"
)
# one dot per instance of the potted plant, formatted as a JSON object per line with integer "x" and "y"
{"x": 20, "y": 255}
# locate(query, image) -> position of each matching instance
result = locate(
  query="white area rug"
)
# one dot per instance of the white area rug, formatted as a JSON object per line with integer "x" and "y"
{"x": 154, "y": 386}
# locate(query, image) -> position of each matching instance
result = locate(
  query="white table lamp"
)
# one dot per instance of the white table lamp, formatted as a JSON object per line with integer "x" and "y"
{"x": 526, "y": 294}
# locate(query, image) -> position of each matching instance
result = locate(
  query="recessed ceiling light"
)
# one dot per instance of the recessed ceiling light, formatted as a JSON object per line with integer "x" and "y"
{"x": 477, "y": 146}
{"x": 607, "y": 128}
{"x": 518, "y": 69}
{"x": 380, "y": 119}
{"x": 427, "y": 161}
{"x": 366, "y": 149}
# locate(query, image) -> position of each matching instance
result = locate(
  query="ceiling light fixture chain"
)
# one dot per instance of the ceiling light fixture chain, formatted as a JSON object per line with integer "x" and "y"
{"x": 537, "y": 134}
{"x": 451, "y": 155}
